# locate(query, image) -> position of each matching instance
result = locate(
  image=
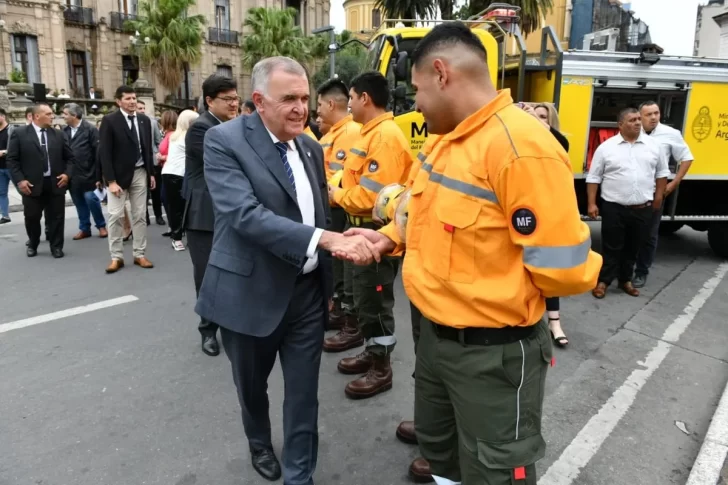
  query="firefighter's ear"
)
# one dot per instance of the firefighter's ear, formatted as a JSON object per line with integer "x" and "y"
{"x": 441, "y": 72}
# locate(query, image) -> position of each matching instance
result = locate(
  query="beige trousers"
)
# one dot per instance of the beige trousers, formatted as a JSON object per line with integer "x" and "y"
{"x": 136, "y": 196}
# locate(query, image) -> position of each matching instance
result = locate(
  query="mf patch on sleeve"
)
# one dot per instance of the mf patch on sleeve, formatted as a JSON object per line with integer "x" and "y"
{"x": 340, "y": 155}
{"x": 373, "y": 166}
{"x": 524, "y": 221}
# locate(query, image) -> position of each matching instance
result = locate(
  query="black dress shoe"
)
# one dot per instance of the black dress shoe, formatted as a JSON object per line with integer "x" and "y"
{"x": 57, "y": 253}
{"x": 210, "y": 345}
{"x": 31, "y": 252}
{"x": 266, "y": 463}
{"x": 161, "y": 221}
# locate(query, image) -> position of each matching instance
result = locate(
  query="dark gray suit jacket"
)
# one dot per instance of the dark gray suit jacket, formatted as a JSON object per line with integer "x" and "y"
{"x": 84, "y": 146}
{"x": 198, "y": 213}
{"x": 259, "y": 243}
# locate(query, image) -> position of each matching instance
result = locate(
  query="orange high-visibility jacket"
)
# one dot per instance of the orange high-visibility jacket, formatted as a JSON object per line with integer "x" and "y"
{"x": 337, "y": 143}
{"x": 380, "y": 157}
{"x": 493, "y": 224}
{"x": 307, "y": 131}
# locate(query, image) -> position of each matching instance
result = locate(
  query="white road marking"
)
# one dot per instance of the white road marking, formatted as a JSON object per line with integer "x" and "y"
{"x": 708, "y": 465}
{"x": 591, "y": 437}
{"x": 49, "y": 317}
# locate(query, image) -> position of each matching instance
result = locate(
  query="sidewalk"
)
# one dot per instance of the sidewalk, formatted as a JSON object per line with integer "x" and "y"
{"x": 16, "y": 200}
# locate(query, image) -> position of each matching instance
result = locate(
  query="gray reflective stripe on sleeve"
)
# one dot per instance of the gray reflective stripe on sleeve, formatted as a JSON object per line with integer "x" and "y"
{"x": 358, "y": 152}
{"x": 384, "y": 341}
{"x": 370, "y": 184}
{"x": 421, "y": 157}
{"x": 556, "y": 257}
{"x": 459, "y": 186}
{"x": 326, "y": 145}
{"x": 336, "y": 166}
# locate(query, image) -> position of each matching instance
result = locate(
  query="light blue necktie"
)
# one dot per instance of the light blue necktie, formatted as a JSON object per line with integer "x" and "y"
{"x": 283, "y": 152}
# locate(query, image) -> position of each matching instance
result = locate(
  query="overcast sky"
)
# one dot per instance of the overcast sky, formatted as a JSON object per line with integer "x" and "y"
{"x": 672, "y": 22}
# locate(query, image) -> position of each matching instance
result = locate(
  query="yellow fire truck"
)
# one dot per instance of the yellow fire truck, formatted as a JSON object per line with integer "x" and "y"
{"x": 589, "y": 88}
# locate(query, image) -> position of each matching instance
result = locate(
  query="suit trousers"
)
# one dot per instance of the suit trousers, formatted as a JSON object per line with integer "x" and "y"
{"x": 199, "y": 245}
{"x": 624, "y": 231}
{"x": 298, "y": 341}
{"x": 136, "y": 194}
{"x": 54, "y": 205}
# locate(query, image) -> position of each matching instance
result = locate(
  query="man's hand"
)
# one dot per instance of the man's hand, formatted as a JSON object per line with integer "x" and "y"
{"x": 24, "y": 187}
{"x": 332, "y": 191}
{"x": 3, "y": 153}
{"x": 355, "y": 248}
{"x": 382, "y": 244}
{"x": 657, "y": 203}
{"x": 670, "y": 188}
{"x": 593, "y": 211}
{"x": 115, "y": 189}
{"x": 62, "y": 180}
{"x": 98, "y": 185}
{"x": 152, "y": 183}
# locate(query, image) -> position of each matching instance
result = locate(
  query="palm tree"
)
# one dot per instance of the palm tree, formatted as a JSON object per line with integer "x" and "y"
{"x": 532, "y": 11}
{"x": 407, "y": 9}
{"x": 272, "y": 32}
{"x": 175, "y": 39}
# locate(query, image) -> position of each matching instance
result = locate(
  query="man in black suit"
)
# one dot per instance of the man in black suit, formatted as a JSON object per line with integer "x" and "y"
{"x": 40, "y": 162}
{"x": 221, "y": 104}
{"x": 83, "y": 138}
{"x": 125, "y": 151}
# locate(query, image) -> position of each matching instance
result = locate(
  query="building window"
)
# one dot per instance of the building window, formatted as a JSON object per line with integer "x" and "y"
{"x": 222, "y": 14}
{"x": 376, "y": 18}
{"x": 24, "y": 54}
{"x": 226, "y": 71}
{"x": 353, "y": 21}
{"x": 78, "y": 71}
{"x": 128, "y": 7}
{"x": 130, "y": 69}
{"x": 74, "y": 3}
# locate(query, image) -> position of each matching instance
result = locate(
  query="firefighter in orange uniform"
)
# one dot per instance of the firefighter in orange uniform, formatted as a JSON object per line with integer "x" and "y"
{"x": 380, "y": 157}
{"x": 333, "y": 111}
{"x": 492, "y": 229}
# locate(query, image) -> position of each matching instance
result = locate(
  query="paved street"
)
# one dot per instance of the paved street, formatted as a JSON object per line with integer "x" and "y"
{"x": 123, "y": 395}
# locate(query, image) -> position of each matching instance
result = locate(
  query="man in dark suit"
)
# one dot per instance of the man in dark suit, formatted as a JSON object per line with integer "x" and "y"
{"x": 40, "y": 162}
{"x": 221, "y": 104}
{"x": 83, "y": 137}
{"x": 267, "y": 283}
{"x": 125, "y": 152}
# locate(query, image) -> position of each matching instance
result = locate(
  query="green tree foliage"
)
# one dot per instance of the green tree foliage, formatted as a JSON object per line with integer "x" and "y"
{"x": 272, "y": 32}
{"x": 531, "y": 11}
{"x": 175, "y": 39}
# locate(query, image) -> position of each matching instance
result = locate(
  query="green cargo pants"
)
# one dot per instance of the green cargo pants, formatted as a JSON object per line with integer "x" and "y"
{"x": 478, "y": 408}
{"x": 374, "y": 302}
{"x": 338, "y": 224}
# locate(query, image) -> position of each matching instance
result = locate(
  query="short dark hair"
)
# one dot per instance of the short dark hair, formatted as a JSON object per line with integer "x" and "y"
{"x": 375, "y": 85}
{"x": 29, "y": 111}
{"x": 215, "y": 85}
{"x": 250, "y": 105}
{"x": 139, "y": 101}
{"x": 649, "y": 103}
{"x": 333, "y": 87}
{"x": 122, "y": 90}
{"x": 627, "y": 111}
{"x": 448, "y": 34}
{"x": 3, "y": 113}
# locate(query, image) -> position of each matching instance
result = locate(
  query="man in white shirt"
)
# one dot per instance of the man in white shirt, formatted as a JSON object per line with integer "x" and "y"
{"x": 632, "y": 171}
{"x": 268, "y": 279}
{"x": 677, "y": 152}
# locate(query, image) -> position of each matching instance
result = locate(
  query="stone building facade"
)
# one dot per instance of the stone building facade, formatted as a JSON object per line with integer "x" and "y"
{"x": 76, "y": 44}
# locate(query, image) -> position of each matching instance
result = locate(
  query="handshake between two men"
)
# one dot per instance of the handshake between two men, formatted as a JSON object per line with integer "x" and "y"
{"x": 358, "y": 245}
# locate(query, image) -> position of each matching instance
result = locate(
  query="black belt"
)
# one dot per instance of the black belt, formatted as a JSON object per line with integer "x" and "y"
{"x": 483, "y": 336}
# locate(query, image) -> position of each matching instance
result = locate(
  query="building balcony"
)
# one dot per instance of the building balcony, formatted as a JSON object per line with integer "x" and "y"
{"x": 118, "y": 21}
{"x": 79, "y": 16}
{"x": 224, "y": 37}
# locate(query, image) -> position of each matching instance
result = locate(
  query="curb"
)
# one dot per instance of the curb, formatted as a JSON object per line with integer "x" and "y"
{"x": 19, "y": 207}
{"x": 711, "y": 459}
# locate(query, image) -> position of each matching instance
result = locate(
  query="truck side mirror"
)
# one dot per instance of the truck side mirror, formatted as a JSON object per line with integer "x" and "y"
{"x": 400, "y": 68}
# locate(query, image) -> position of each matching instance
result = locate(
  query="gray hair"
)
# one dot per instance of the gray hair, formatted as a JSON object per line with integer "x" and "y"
{"x": 74, "y": 110}
{"x": 265, "y": 67}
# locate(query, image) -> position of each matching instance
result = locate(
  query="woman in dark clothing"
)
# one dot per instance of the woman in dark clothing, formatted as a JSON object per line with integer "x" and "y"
{"x": 547, "y": 114}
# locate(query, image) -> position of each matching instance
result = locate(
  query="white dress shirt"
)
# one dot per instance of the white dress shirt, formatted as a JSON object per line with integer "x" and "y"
{"x": 672, "y": 144}
{"x": 304, "y": 195}
{"x": 135, "y": 122}
{"x": 627, "y": 171}
{"x": 44, "y": 142}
